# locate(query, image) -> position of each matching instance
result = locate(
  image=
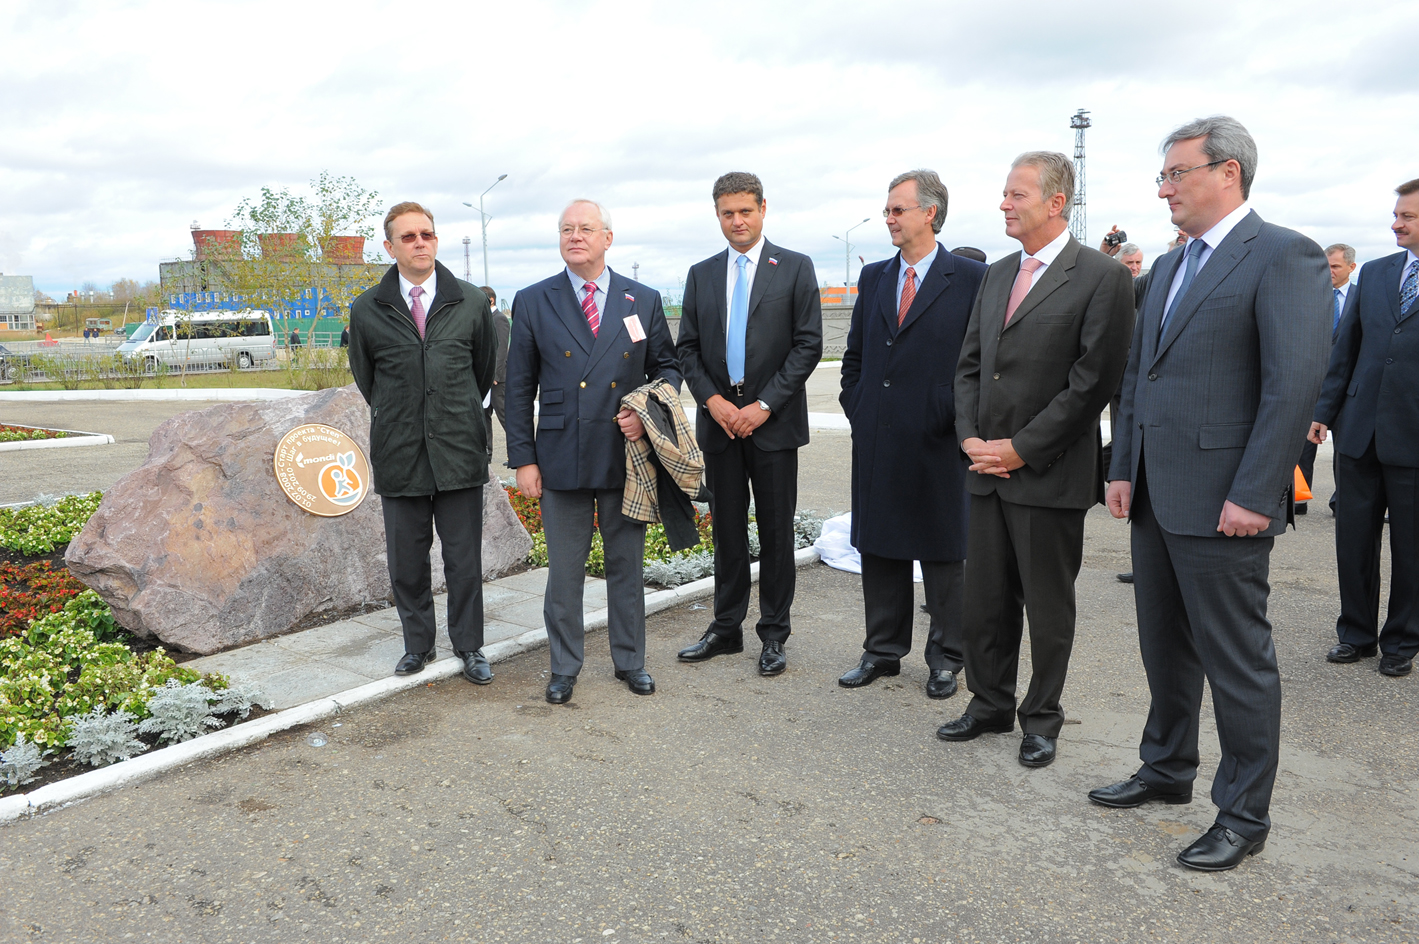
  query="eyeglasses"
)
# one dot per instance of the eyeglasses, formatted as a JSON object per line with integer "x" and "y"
{"x": 1177, "y": 175}
{"x": 889, "y": 212}
{"x": 408, "y": 238}
{"x": 582, "y": 230}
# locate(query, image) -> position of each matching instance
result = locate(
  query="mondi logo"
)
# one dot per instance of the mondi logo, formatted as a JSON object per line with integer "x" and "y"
{"x": 333, "y": 480}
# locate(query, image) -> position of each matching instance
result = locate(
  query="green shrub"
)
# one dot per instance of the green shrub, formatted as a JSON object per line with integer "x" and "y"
{"x": 40, "y": 528}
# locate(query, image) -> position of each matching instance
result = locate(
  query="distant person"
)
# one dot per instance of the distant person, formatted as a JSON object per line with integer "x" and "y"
{"x": 751, "y": 332}
{"x": 294, "y": 342}
{"x": 345, "y": 336}
{"x": 1342, "y": 264}
{"x": 909, "y": 499}
{"x": 1370, "y": 396}
{"x": 502, "y": 326}
{"x": 969, "y": 252}
{"x": 1131, "y": 255}
{"x": 1046, "y": 346}
{"x": 421, "y": 350}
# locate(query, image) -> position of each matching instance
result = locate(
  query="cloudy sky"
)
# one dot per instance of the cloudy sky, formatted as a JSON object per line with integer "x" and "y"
{"x": 123, "y": 123}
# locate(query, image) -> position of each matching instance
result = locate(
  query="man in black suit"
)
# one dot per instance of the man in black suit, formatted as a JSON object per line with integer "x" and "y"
{"x": 751, "y": 332}
{"x": 582, "y": 340}
{"x": 909, "y": 499}
{"x": 1342, "y": 264}
{"x": 1046, "y": 346}
{"x": 497, "y": 397}
{"x": 1371, "y": 393}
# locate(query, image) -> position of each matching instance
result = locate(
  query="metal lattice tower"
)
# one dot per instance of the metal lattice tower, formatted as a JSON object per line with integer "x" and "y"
{"x": 1079, "y": 216}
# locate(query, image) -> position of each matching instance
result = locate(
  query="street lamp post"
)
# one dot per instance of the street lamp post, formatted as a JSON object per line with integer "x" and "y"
{"x": 847, "y": 256}
{"x": 467, "y": 272}
{"x": 485, "y": 218}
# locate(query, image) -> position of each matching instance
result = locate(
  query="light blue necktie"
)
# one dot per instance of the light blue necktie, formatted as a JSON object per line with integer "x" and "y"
{"x": 1336, "y": 323}
{"x": 738, "y": 322}
{"x": 1194, "y": 253}
{"x": 1410, "y": 289}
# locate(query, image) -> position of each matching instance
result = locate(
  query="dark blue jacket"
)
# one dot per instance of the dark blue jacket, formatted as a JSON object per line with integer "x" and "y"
{"x": 908, "y": 474}
{"x": 580, "y": 379}
{"x": 1372, "y": 386}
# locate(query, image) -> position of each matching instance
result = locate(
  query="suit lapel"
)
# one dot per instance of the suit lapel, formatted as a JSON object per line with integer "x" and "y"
{"x": 1055, "y": 276}
{"x": 886, "y": 300}
{"x": 568, "y": 308}
{"x": 1159, "y": 283}
{"x": 718, "y": 322}
{"x": 1219, "y": 265}
{"x": 937, "y": 278}
{"x": 618, "y": 307}
{"x": 764, "y": 274}
{"x": 1392, "y": 285}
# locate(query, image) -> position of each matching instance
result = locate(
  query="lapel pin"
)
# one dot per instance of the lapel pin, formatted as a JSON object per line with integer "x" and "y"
{"x": 773, "y": 261}
{"x": 630, "y": 297}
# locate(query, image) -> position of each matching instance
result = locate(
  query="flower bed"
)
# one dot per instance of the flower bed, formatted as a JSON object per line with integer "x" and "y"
{"x": 26, "y": 433}
{"x": 29, "y": 591}
{"x": 38, "y": 529}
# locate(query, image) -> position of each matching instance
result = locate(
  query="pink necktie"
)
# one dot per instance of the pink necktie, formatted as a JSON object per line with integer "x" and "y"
{"x": 1022, "y": 286}
{"x": 588, "y": 308}
{"x": 416, "y": 308}
{"x": 908, "y": 296}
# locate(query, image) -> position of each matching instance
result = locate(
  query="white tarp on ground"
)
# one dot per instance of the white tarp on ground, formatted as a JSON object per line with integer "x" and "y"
{"x": 834, "y": 546}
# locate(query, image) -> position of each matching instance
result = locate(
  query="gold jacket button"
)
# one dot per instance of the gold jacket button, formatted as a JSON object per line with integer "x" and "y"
{"x": 613, "y": 385}
{"x": 569, "y": 353}
{"x": 583, "y": 383}
{"x": 626, "y": 355}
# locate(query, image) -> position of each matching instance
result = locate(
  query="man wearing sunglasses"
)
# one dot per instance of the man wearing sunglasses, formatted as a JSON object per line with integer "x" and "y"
{"x": 422, "y": 350}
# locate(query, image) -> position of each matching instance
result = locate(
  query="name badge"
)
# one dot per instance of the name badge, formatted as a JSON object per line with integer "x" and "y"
{"x": 633, "y": 327}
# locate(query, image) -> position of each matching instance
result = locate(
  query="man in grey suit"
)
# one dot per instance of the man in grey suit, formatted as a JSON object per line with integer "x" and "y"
{"x": 1044, "y": 350}
{"x": 1226, "y": 364}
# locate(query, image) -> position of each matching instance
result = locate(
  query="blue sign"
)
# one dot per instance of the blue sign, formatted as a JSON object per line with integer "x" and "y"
{"x": 308, "y": 303}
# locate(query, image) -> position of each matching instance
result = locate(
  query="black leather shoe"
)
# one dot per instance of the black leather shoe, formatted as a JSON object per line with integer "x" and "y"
{"x": 866, "y": 672}
{"x": 1219, "y": 849}
{"x": 1126, "y": 794}
{"x": 559, "y": 690}
{"x": 1126, "y": 578}
{"x": 414, "y": 662}
{"x": 637, "y": 680}
{"x": 1395, "y": 665}
{"x": 476, "y": 668}
{"x": 1036, "y": 750}
{"x": 772, "y": 660}
{"x": 712, "y": 644}
{"x": 1301, "y": 508}
{"x": 966, "y": 728}
{"x": 1344, "y": 652}
{"x": 942, "y": 684}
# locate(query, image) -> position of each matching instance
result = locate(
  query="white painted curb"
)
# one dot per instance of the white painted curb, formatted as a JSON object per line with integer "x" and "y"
{"x": 144, "y": 766}
{"x": 209, "y": 393}
{"x": 75, "y": 438}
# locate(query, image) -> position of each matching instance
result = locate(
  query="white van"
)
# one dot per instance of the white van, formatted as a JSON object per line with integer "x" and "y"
{"x": 195, "y": 338}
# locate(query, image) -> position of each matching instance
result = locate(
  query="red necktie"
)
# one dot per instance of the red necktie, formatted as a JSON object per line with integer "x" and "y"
{"x": 1021, "y": 288}
{"x": 588, "y": 308}
{"x": 416, "y": 308}
{"x": 908, "y": 296}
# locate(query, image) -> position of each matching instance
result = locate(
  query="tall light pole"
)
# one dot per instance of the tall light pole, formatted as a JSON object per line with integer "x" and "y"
{"x": 847, "y": 256}
{"x": 467, "y": 272}
{"x": 485, "y": 218}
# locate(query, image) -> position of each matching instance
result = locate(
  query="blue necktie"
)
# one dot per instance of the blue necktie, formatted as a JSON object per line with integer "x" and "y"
{"x": 738, "y": 322}
{"x": 1194, "y": 253}
{"x": 1409, "y": 289}
{"x": 1336, "y": 323}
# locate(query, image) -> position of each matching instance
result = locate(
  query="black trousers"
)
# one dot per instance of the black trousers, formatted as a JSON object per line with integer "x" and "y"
{"x": 408, "y": 537}
{"x": 890, "y": 603}
{"x": 1202, "y": 614}
{"x": 1364, "y": 489}
{"x": 1020, "y": 558}
{"x": 774, "y": 479}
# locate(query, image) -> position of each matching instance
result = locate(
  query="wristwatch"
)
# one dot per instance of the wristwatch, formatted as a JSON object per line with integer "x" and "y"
{"x": 764, "y": 406}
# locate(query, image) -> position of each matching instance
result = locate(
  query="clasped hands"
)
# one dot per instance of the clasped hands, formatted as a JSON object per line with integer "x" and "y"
{"x": 1234, "y": 521}
{"x": 737, "y": 423}
{"x": 994, "y": 457}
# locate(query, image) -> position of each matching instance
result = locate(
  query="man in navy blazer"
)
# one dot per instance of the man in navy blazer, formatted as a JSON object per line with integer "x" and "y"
{"x": 1371, "y": 395}
{"x": 583, "y": 339}
{"x": 909, "y": 499}
{"x": 751, "y": 332}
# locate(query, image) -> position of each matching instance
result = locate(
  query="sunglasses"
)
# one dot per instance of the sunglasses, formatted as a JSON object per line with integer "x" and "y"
{"x": 408, "y": 238}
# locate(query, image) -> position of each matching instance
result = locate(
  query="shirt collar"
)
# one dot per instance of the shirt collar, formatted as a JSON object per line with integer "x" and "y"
{"x": 430, "y": 286}
{"x": 1051, "y": 250}
{"x": 1214, "y": 236}
{"x": 753, "y": 253}
{"x": 1411, "y": 260}
{"x": 602, "y": 281}
{"x": 922, "y": 265}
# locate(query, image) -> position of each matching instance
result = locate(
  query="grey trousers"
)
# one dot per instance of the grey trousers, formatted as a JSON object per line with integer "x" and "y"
{"x": 1202, "y": 614}
{"x": 408, "y": 536}
{"x": 567, "y": 519}
{"x": 890, "y": 604}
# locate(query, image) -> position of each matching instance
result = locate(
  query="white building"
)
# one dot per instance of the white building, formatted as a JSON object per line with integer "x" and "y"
{"x": 16, "y": 302}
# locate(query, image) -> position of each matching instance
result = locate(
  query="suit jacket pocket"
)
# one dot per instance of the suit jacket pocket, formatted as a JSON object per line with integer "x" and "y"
{"x": 551, "y": 396}
{"x": 552, "y": 421}
{"x": 1354, "y": 386}
{"x": 1229, "y": 436}
{"x": 1054, "y": 319}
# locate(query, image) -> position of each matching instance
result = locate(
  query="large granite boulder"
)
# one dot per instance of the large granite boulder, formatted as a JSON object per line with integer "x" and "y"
{"x": 201, "y": 549}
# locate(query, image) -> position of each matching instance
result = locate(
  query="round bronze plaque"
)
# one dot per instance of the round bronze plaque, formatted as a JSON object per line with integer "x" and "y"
{"x": 322, "y": 470}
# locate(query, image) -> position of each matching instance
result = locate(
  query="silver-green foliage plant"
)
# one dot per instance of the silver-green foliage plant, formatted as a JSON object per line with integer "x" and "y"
{"x": 238, "y": 699}
{"x": 680, "y": 569}
{"x": 180, "y": 712}
{"x": 100, "y": 738}
{"x": 806, "y": 528}
{"x": 20, "y": 763}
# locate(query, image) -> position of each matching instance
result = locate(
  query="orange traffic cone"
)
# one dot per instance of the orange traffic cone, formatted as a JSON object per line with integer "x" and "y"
{"x": 1303, "y": 491}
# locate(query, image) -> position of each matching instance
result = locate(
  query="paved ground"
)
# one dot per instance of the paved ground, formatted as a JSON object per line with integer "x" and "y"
{"x": 733, "y": 808}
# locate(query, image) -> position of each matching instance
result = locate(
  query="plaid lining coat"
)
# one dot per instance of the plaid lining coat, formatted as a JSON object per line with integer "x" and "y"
{"x": 669, "y": 446}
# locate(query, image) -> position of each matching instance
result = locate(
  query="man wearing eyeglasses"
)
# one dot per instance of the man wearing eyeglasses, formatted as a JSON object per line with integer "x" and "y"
{"x": 582, "y": 340}
{"x": 422, "y": 353}
{"x": 1226, "y": 364}
{"x": 908, "y": 481}
{"x": 1046, "y": 346}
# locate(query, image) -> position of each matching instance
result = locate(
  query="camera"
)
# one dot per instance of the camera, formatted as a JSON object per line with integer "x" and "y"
{"x": 1116, "y": 239}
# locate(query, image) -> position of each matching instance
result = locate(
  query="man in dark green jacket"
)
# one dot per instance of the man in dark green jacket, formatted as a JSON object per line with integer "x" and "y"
{"x": 422, "y": 350}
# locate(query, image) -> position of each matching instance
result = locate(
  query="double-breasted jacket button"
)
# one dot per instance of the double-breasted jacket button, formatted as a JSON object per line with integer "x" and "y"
{"x": 613, "y": 385}
{"x": 583, "y": 383}
{"x": 568, "y": 353}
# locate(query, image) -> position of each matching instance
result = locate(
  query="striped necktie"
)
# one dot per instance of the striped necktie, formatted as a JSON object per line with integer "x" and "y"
{"x": 588, "y": 308}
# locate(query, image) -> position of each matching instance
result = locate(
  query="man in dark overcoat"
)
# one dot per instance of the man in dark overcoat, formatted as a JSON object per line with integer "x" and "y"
{"x": 908, "y": 476}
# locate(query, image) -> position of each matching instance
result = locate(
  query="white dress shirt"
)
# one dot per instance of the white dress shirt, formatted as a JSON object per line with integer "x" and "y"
{"x": 1404, "y": 269}
{"x": 1345, "y": 292}
{"x": 751, "y": 268}
{"x": 602, "y": 282}
{"x": 1210, "y": 241}
{"x": 1046, "y": 256}
{"x": 920, "y": 267}
{"x": 430, "y": 286}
